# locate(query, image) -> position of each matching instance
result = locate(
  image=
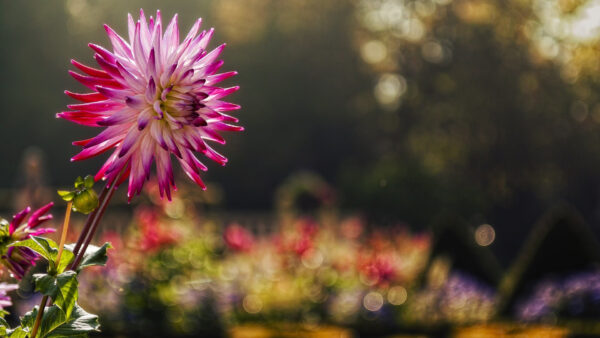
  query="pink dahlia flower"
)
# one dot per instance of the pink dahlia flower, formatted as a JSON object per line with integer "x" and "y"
{"x": 156, "y": 96}
{"x": 19, "y": 259}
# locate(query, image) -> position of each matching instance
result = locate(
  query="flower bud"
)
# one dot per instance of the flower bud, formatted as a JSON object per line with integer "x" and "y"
{"x": 85, "y": 201}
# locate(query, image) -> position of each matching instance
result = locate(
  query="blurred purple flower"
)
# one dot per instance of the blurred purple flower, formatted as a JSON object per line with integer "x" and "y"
{"x": 570, "y": 296}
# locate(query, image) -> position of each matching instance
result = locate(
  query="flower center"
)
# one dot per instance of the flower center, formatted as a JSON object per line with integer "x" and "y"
{"x": 180, "y": 106}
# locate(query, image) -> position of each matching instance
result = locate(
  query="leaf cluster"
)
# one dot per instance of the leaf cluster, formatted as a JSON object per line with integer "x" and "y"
{"x": 64, "y": 318}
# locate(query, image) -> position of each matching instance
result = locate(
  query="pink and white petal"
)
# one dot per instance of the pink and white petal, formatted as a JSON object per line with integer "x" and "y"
{"x": 156, "y": 133}
{"x": 211, "y": 135}
{"x": 83, "y": 118}
{"x": 138, "y": 49}
{"x": 87, "y": 97}
{"x": 215, "y": 156}
{"x": 130, "y": 28}
{"x": 18, "y": 219}
{"x": 171, "y": 38}
{"x": 42, "y": 231}
{"x": 220, "y": 106}
{"x": 129, "y": 142}
{"x": 104, "y": 53}
{"x": 95, "y": 150}
{"x": 120, "y": 46}
{"x": 123, "y": 116}
{"x": 36, "y": 216}
{"x": 108, "y": 67}
{"x": 98, "y": 106}
{"x": 214, "y": 79}
{"x": 89, "y": 70}
{"x": 144, "y": 33}
{"x": 225, "y": 127}
{"x": 112, "y": 93}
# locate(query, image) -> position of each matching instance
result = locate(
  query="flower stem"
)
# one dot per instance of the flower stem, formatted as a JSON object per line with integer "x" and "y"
{"x": 63, "y": 239}
{"x": 88, "y": 222}
{"x": 84, "y": 240}
{"x": 38, "y": 318}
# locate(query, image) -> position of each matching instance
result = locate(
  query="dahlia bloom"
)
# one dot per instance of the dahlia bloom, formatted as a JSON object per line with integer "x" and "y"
{"x": 5, "y": 288}
{"x": 155, "y": 96}
{"x": 19, "y": 259}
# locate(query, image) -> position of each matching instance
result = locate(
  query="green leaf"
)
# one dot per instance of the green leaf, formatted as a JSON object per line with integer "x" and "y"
{"x": 65, "y": 259}
{"x": 93, "y": 255}
{"x": 47, "y": 248}
{"x": 66, "y": 195}
{"x": 53, "y": 318}
{"x": 45, "y": 284}
{"x": 62, "y": 289}
{"x": 79, "y": 182}
{"x": 89, "y": 181}
{"x": 29, "y": 318}
{"x": 80, "y": 323}
{"x": 18, "y": 333}
{"x": 27, "y": 283}
{"x": 3, "y": 326}
{"x": 4, "y": 228}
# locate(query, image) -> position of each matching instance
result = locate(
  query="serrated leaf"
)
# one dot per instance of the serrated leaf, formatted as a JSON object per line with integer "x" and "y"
{"x": 80, "y": 323}
{"x": 67, "y": 292}
{"x": 46, "y": 248}
{"x": 93, "y": 255}
{"x": 29, "y": 318}
{"x": 62, "y": 289}
{"x": 89, "y": 181}
{"x": 53, "y": 318}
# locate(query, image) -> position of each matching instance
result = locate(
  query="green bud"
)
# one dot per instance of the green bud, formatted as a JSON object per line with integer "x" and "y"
{"x": 85, "y": 201}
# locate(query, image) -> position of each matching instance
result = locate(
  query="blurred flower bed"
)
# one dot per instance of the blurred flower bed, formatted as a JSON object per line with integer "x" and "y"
{"x": 180, "y": 270}
{"x": 177, "y": 271}
{"x": 308, "y": 270}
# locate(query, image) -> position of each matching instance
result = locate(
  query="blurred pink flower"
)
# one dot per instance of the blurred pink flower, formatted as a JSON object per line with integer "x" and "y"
{"x": 19, "y": 259}
{"x": 379, "y": 267}
{"x": 238, "y": 238}
{"x": 156, "y": 96}
{"x": 154, "y": 236}
{"x": 5, "y": 288}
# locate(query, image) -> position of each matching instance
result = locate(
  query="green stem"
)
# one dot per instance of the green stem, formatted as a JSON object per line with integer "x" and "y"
{"x": 97, "y": 216}
{"x": 38, "y": 318}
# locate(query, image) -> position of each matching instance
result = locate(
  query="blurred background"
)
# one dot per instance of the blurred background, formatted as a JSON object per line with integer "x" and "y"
{"x": 478, "y": 116}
